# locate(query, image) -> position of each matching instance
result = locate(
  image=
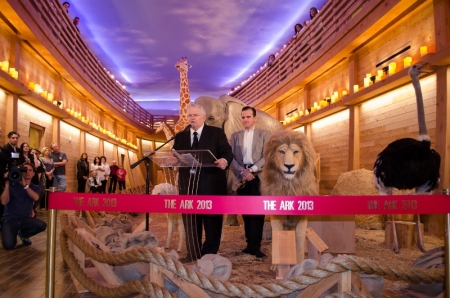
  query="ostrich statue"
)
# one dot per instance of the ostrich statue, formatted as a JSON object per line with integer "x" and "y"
{"x": 408, "y": 163}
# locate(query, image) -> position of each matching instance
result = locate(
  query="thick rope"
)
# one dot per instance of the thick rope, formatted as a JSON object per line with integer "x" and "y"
{"x": 273, "y": 289}
{"x": 131, "y": 288}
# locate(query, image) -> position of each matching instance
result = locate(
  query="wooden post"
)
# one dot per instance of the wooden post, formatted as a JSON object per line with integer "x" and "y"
{"x": 354, "y": 154}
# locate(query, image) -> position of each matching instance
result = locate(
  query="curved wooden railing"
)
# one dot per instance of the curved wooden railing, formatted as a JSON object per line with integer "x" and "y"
{"x": 302, "y": 50}
{"x": 69, "y": 41}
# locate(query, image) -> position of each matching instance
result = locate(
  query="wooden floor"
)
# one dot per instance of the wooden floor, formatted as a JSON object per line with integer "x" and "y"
{"x": 22, "y": 270}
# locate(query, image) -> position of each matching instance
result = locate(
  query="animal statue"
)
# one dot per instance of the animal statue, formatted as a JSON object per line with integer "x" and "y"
{"x": 168, "y": 133}
{"x": 225, "y": 112}
{"x": 408, "y": 163}
{"x": 173, "y": 220}
{"x": 290, "y": 171}
{"x": 185, "y": 97}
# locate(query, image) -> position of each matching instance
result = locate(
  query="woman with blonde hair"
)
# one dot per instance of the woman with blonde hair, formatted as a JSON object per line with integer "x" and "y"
{"x": 47, "y": 163}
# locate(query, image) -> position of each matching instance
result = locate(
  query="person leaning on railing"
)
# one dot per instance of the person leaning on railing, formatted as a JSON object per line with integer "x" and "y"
{"x": 312, "y": 13}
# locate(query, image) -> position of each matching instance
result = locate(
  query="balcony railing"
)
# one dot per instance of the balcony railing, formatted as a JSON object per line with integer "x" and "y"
{"x": 302, "y": 50}
{"x": 66, "y": 37}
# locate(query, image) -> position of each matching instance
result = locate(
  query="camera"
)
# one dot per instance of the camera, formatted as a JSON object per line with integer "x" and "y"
{"x": 15, "y": 174}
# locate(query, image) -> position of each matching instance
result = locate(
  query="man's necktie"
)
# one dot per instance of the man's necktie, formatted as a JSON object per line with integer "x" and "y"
{"x": 195, "y": 142}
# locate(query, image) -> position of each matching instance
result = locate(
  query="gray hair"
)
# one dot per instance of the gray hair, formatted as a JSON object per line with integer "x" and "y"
{"x": 195, "y": 105}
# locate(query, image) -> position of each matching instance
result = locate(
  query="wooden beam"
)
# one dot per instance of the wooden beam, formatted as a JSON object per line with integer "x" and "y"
{"x": 354, "y": 144}
{"x": 441, "y": 23}
{"x": 11, "y": 123}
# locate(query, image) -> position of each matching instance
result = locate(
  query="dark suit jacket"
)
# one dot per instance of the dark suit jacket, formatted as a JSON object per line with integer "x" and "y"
{"x": 212, "y": 180}
{"x": 6, "y": 153}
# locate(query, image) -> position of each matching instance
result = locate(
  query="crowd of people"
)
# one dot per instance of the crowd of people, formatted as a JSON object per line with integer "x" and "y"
{"x": 297, "y": 29}
{"x": 76, "y": 20}
{"x": 25, "y": 175}
{"x": 47, "y": 168}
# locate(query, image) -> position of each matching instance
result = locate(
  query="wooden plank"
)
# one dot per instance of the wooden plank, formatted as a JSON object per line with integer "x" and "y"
{"x": 358, "y": 286}
{"x": 79, "y": 223}
{"x": 190, "y": 289}
{"x": 140, "y": 227}
{"x": 156, "y": 276}
{"x": 345, "y": 282}
{"x": 104, "y": 269}
{"x": 406, "y": 234}
{"x": 78, "y": 286}
{"x": 338, "y": 232}
{"x": 283, "y": 247}
{"x": 315, "y": 240}
{"x": 282, "y": 270}
{"x": 318, "y": 289}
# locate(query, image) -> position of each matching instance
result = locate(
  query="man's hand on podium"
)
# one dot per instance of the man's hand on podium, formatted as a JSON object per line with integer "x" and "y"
{"x": 221, "y": 163}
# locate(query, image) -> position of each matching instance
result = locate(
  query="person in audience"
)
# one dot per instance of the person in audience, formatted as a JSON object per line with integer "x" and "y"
{"x": 26, "y": 155}
{"x": 297, "y": 28}
{"x": 121, "y": 173}
{"x": 106, "y": 173}
{"x": 113, "y": 177}
{"x": 66, "y": 6}
{"x": 82, "y": 172}
{"x": 312, "y": 13}
{"x": 94, "y": 183}
{"x": 39, "y": 176}
{"x": 11, "y": 152}
{"x": 100, "y": 168}
{"x": 59, "y": 163}
{"x": 47, "y": 163}
{"x": 2, "y": 180}
{"x": 18, "y": 198}
{"x": 271, "y": 60}
{"x": 76, "y": 21}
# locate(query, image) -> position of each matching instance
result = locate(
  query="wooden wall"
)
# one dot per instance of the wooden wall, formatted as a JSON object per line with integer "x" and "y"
{"x": 393, "y": 116}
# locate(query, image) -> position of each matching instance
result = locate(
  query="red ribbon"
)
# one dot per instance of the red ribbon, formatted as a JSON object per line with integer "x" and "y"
{"x": 280, "y": 205}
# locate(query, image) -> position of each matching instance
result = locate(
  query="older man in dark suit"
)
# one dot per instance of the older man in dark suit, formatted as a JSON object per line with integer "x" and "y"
{"x": 203, "y": 181}
{"x": 248, "y": 149}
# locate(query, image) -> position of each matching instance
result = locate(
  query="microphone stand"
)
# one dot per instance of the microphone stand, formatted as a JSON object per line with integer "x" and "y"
{"x": 147, "y": 179}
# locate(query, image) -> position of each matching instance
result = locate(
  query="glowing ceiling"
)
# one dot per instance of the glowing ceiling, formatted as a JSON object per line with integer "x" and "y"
{"x": 139, "y": 41}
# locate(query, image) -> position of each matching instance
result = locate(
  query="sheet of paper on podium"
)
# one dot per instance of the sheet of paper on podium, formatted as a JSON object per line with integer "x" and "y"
{"x": 183, "y": 158}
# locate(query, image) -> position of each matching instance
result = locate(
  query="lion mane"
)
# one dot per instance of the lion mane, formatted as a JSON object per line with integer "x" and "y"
{"x": 273, "y": 178}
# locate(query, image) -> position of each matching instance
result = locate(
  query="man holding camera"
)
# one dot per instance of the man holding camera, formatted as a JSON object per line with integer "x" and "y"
{"x": 18, "y": 197}
{"x": 10, "y": 156}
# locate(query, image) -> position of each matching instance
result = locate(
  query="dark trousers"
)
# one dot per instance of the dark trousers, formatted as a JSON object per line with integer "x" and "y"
{"x": 121, "y": 185}
{"x": 253, "y": 224}
{"x": 96, "y": 189}
{"x": 28, "y": 227}
{"x": 112, "y": 184}
{"x": 193, "y": 224}
{"x": 81, "y": 185}
{"x": 104, "y": 185}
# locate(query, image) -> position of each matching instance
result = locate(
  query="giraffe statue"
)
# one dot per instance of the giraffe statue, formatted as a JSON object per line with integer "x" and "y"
{"x": 185, "y": 97}
{"x": 167, "y": 132}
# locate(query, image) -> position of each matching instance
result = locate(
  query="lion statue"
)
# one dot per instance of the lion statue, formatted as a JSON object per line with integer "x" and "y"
{"x": 289, "y": 171}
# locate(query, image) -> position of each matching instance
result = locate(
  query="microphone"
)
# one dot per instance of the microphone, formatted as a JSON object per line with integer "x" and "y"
{"x": 138, "y": 162}
{"x": 187, "y": 127}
